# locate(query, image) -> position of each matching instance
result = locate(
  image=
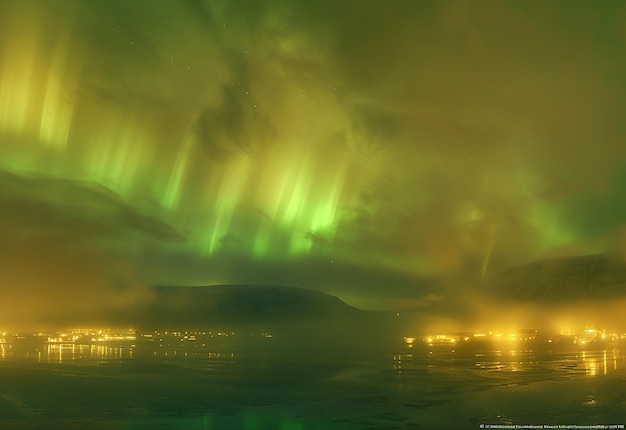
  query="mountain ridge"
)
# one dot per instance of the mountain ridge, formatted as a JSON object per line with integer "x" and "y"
{"x": 593, "y": 277}
{"x": 237, "y": 304}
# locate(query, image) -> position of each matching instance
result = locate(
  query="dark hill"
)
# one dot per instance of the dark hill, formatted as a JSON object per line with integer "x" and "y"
{"x": 238, "y": 304}
{"x": 593, "y": 277}
{"x": 296, "y": 317}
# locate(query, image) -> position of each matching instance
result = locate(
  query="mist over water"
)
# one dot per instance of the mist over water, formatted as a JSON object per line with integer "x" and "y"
{"x": 316, "y": 214}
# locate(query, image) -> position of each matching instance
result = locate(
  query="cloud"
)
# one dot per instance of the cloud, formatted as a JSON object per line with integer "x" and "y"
{"x": 63, "y": 205}
{"x": 69, "y": 248}
{"x": 234, "y": 127}
{"x": 445, "y": 140}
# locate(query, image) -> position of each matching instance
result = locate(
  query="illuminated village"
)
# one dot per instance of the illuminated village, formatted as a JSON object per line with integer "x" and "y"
{"x": 105, "y": 343}
{"x": 529, "y": 339}
{"x": 88, "y": 336}
{"x": 588, "y": 338}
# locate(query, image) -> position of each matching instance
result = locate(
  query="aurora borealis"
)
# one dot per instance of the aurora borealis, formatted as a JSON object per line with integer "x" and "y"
{"x": 373, "y": 150}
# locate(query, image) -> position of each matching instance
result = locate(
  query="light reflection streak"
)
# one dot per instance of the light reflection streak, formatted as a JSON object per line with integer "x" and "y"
{"x": 568, "y": 364}
{"x": 75, "y": 352}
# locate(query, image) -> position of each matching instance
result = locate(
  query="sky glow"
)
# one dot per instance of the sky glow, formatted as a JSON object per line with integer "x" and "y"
{"x": 372, "y": 151}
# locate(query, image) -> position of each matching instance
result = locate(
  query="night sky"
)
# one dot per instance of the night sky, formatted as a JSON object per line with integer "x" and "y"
{"x": 391, "y": 153}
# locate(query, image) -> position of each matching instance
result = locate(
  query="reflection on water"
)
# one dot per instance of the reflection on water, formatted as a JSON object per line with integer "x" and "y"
{"x": 75, "y": 352}
{"x": 59, "y": 353}
{"x": 196, "y": 385}
{"x": 406, "y": 363}
{"x": 570, "y": 363}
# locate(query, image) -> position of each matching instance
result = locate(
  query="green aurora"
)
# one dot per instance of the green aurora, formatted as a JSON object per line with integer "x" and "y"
{"x": 373, "y": 150}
